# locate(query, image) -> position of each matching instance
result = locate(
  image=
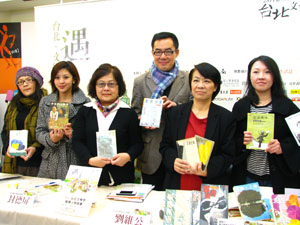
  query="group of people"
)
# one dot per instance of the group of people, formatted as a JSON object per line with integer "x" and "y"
{"x": 188, "y": 110}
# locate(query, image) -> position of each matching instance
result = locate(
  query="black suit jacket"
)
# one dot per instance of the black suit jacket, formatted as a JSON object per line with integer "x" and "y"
{"x": 128, "y": 137}
{"x": 219, "y": 129}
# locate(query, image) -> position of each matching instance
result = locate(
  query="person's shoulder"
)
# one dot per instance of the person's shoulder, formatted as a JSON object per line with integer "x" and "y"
{"x": 48, "y": 99}
{"x": 142, "y": 77}
{"x": 183, "y": 73}
{"x": 221, "y": 109}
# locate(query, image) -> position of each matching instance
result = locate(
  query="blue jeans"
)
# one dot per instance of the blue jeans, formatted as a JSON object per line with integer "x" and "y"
{"x": 267, "y": 183}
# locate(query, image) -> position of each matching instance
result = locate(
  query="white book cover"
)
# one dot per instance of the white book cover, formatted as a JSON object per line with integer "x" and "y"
{"x": 79, "y": 190}
{"x": 293, "y": 121}
{"x": 18, "y": 142}
{"x": 151, "y": 112}
{"x": 106, "y": 143}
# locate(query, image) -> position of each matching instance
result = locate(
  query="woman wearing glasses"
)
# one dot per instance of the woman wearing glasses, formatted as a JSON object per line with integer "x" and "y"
{"x": 108, "y": 113}
{"x": 203, "y": 118}
{"x": 57, "y": 155}
{"x": 21, "y": 114}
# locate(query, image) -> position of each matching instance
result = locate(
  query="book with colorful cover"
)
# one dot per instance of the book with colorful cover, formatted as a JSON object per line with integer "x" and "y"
{"x": 59, "y": 115}
{"x": 178, "y": 207}
{"x": 18, "y": 142}
{"x": 195, "y": 150}
{"x": 252, "y": 206}
{"x": 261, "y": 126}
{"x": 151, "y": 112}
{"x": 286, "y": 209}
{"x": 293, "y": 121}
{"x": 130, "y": 192}
{"x": 106, "y": 143}
{"x": 214, "y": 203}
{"x": 78, "y": 192}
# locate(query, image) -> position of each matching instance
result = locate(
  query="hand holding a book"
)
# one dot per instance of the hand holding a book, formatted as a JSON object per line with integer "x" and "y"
{"x": 148, "y": 128}
{"x": 120, "y": 159}
{"x": 274, "y": 147}
{"x": 197, "y": 170}
{"x": 56, "y": 135}
{"x": 181, "y": 166}
{"x": 9, "y": 155}
{"x": 99, "y": 161}
{"x": 247, "y": 137}
{"x": 30, "y": 151}
{"x": 167, "y": 103}
{"x": 68, "y": 130}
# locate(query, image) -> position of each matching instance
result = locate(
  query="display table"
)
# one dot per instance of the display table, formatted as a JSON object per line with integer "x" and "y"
{"x": 44, "y": 210}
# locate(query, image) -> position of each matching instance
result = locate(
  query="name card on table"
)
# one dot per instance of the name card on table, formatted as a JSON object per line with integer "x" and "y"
{"x": 20, "y": 198}
{"x": 131, "y": 217}
{"x": 78, "y": 192}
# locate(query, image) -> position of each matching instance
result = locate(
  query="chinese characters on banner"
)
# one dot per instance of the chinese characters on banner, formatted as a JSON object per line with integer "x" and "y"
{"x": 277, "y": 9}
{"x": 70, "y": 45}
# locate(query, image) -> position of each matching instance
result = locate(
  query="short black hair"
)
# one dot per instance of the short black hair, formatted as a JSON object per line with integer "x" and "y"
{"x": 277, "y": 89}
{"x": 103, "y": 70}
{"x": 165, "y": 35}
{"x": 210, "y": 72}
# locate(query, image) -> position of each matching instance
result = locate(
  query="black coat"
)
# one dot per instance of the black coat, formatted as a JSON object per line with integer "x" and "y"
{"x": 219, "y": 129}
{"x": 128, "y": 138}
{"x": 284, "y": 168}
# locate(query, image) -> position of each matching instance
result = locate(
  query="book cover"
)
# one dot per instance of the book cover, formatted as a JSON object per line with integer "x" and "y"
{"x": 78, "y": 192}
{"x": 106, "y": 143}
{"x": 252, "y": 206}
{"x": 151, "y": 112}
{"x": 59, "y": 115}
{"x": 262, "y": 127}
{"x": 196, "y": 202}
{"x": 293, "y": 121}
{"x": 18, "y": 142}
{"x": 130, "y": 192}
{"x": 178, "y": 207}
{"x": 214, "y": 203}
{"x": 205, "y": 147}
{"x": 286, "y": 209}
{"x": 195, "y": 150}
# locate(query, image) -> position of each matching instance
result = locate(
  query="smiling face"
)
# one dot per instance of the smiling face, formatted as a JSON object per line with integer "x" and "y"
{"x": 26, "y": 85}
{"x": 107, "y": 90}
{"x": 63, "y": 81}
{"x": 163, "y": 62}
{"x": 202, "y": 88}
{"x": 261, "y": 78}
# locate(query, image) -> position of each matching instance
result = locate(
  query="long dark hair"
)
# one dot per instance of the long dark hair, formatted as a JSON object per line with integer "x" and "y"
{"x": 277, "y": 89}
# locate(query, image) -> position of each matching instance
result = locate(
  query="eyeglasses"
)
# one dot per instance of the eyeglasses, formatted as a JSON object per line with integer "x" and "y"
{"x": 167, "y": 52}
{"x": 109, "y": 85}
{"x": 27, "y": 80}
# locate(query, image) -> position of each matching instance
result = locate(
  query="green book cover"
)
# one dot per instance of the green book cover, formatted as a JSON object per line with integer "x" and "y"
{"x": 262, "y": 127}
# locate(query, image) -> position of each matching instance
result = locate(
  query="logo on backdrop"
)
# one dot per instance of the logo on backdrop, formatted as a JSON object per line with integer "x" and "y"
{"x": 70, "y": 45}
{"x": 278, "y": 9}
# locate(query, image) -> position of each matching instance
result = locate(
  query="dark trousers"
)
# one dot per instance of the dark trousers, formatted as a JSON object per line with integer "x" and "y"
{"x": 156, "y": 179}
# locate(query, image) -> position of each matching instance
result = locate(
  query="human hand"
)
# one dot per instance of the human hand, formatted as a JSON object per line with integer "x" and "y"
{"x": 9, "y": 155}
{"x": 274, "y": 147}
{"x": 99, "y": 161}
{"x": 120, "y": 159}
{"x": 182, "y": 166}
{"x": 167, "y": 103}
{"x": 56, "y": 135}
{"x": 68, "y": 131}
{"x": 197, "y": 170}
{"x": 30, "y": 151}
{"x": 247, "y": 137}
